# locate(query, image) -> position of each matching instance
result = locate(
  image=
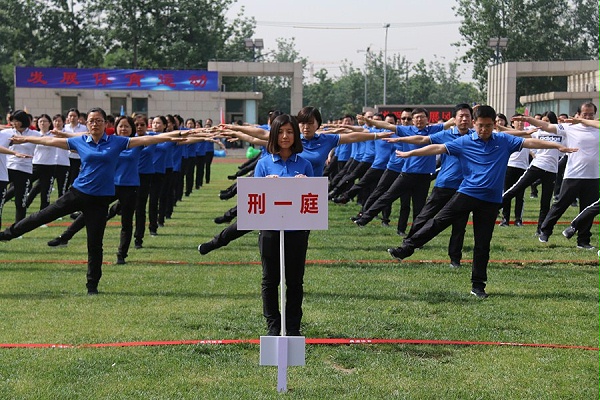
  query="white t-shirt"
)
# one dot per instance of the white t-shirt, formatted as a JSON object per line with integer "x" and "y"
{"x": 584, "y": 163}
{"x": 519, "y": 159}
{"x": 70, "y": 129}
{"x": 44, "y": 155}
{"x": 5, "y": 136}
{"x": 21, "y": 164}
{"x": 547, "y": 159}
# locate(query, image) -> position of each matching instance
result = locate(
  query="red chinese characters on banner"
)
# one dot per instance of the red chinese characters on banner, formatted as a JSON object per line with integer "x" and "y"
{"x": 70, "y": 78}
{"x": 101, "y": 79}
{"x": 134, "y": 79}
{"x": 256, "y": 203}
{"x": 446, "y": 115}
{"x": 198, "y": 80}
{"x": 309, "y": 204}
{"x": 37, "y": 77}
{"x": 167, "y": 80}
{"x": 434, "y": 116}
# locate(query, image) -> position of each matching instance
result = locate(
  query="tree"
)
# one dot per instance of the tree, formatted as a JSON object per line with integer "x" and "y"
{"x": 540, "y": 30}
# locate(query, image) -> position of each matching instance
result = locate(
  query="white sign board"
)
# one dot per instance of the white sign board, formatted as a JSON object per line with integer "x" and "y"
{"x": 282, "y": 204}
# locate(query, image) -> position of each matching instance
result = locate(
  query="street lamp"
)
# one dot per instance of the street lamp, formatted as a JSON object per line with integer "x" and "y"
{"x": 498, "y": 43}
{"x": 254, "y": 44}
{"x": 367, "y": 53}
{"x": 386, "y": 26}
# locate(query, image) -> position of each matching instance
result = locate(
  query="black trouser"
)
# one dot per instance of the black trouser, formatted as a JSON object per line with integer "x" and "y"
{"x": 531, "y": 175}
{"x": 368, "y": 182}
{"x": 586, "y": 217}
{"x": 587, "y": 192}
{"x": 20, "y": 181}
{"x": 188, "y": 167}
{"x": 346, "y": 182}
{"x": 435, "y": 202}
{"x": 74, "y": 168}
{"x": 156, "y": 186}
{"x": 349, "y": 166}
{"x": 3, "y": 185}
{"x": 296, "y": 245}
{"x": 140, "y": 207}
{"x": 404, "y": 213}
{"x": 510, "y": 178}
{"x": 457, "y": 209}
{"x": 562, "y": 165}
{"x": 331, "y": 168}
{"x": 207, "y": 164}
{"x": 199, "y": 161}
{"x": 94, "y": 208}
{"x": 387, "y": 178}
{"x": 165, "y": 200}
{"x": 43, "y": 176}
{"x": 125, "y": 197}
{"x": 61, "y": 175}
{"x": 415, "y": 185}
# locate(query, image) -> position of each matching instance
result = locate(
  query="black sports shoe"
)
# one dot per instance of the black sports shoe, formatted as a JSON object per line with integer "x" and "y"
{"x": 518, "y": 223}
{"x": 454, "y": 264}
{"x": 120, "y": 260}
{"x": 92, "y": 291}
{"x": 207, "y": 247}
{"x": 153, "y": 233}
{"x": 58, "y": 242}
{"x": 479, "y": 293}
{"x": 341, "y": 199}
{"x": 222, "y": 220}
{"x": 543, "y": 238}
{"x": 569, "y": 232}
{"x": 585, "y": 247}
{"x": 400, "y": 253}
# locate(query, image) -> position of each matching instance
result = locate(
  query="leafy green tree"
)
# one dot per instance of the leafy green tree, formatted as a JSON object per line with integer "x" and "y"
{"x": 540, "y": 30}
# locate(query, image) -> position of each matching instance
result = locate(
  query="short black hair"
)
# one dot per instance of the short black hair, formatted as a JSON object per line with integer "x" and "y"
{"x": 484, "y": 112}
{"x": 462, "y": 106}
{"x": 21, "y": 116}
{"x": 308, "y": 114}
{"x": 276, "y": 124}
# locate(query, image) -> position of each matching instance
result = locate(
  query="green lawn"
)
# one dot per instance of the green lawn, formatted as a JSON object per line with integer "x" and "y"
{"x": 539, "y": 294}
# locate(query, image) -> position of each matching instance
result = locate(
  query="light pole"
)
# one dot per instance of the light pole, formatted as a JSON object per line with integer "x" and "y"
{"x": 367, "y": 53}
{"x": 498, "y": 43}
{"x": 386, "y": 26}
{"x": 254, "y": 45}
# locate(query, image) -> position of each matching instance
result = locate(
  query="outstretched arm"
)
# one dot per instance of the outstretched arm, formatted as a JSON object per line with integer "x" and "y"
{"x": 248, "y": 130}
{"x": 430, "y": 150}
{"x": 416, "y": 139}
{"x": 545, "y": 144}
{"x": 44, "y": 140}
{"x": 543, "y": 125}
{"x": 10, "y": 152}
{"x": 594, "y": 123}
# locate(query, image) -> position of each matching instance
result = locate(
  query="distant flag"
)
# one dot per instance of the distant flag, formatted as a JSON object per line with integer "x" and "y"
{"x": 122, "y": 110}
{"x": 222, "y": 116}
{"x": 526, "y": 113}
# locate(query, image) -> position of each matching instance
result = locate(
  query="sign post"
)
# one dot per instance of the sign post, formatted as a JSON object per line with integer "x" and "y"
{"x": 282, "y": 204}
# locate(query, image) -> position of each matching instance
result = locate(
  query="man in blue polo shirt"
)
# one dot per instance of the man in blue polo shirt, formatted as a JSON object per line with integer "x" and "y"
{"x": 448, "y": 179}
{"x": 483, "y": 156}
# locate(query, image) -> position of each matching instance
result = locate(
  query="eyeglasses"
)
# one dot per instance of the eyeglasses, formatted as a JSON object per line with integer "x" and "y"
{"x": 406, "y": 119}
{"x": 95, "y": 121}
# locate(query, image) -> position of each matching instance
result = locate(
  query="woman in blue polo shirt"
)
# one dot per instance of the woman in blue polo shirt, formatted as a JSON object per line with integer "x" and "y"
{"x": 92, "y": 190}
{"x": 283, "y": 161}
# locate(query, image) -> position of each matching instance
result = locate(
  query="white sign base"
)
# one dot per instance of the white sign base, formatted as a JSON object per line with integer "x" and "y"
{"x": 282, "y": 351}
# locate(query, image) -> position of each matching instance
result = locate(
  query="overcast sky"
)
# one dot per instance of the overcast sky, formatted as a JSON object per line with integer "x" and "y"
{"x": 329, "y": 31}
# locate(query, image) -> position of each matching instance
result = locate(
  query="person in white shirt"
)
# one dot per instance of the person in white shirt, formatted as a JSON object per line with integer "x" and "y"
{"x": 582, "y": 173}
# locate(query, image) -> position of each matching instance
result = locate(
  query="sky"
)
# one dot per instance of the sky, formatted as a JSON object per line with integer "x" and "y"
{"x": 328, "y": 31}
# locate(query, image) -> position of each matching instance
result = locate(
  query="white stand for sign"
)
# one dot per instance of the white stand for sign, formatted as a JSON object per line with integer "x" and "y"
{"x": 282, "y": 351}
{"x": 280, "y": 205}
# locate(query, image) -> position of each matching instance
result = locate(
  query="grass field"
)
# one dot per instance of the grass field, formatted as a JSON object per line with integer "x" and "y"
{"x": 539, "y": 294}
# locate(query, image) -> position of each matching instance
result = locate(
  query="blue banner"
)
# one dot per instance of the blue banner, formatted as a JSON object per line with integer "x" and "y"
{"x": 116, "y": 79}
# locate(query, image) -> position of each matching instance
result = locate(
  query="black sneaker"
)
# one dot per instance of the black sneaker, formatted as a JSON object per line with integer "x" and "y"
{"x": 400, "y": 253}
{"x": 479, "y": 293}
{"x": 362, "y": 221}
{"x": 120, "y": 260}
{"x": 585, "y": 247}
{"x": 58, "y": 242}
{"x": 341, "y": 199}
{"x": 504, "y": 223}
{"x": 454, "y": 264}
{"x": 153, "y": 233}
{"x": 92, "y": 291}
{"x": 518, "y": 223}
{"x": 206, "y": 248}
{"x": 543, "y": 238}
{"x": 569, "y": 232}
{"x": 138, "y": 246}
{"x": 222, "y": 220}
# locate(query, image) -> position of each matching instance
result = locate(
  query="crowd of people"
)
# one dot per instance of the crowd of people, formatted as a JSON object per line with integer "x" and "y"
{"x": 480, "y": 161}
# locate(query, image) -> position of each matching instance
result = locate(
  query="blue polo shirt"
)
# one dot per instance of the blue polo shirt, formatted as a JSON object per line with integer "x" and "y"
{"x": 484, "y": 163}
{"x": 317, "y": 149}
{"x": 418, "y": 165}
{"x": 127, "y": 172}
{"x": 272, "y": 164}
{"x": 396, "y": 163}
{"x": 343, "y": 151}
{"x": 451, "y": 174}
{"x": 177, "y": 156}
{"x": 98, "y": 163}
{"x": 383, "y": 151}
{"x": 145, "y": 165}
